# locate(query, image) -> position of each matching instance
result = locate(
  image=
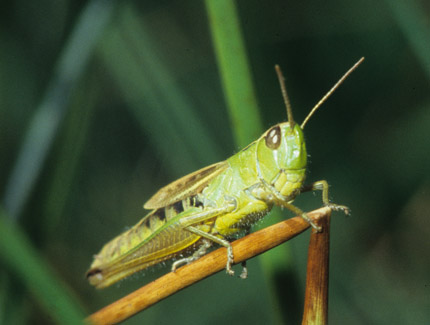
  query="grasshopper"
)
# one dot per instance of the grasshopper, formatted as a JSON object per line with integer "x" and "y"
{"x": 216, "y": 203}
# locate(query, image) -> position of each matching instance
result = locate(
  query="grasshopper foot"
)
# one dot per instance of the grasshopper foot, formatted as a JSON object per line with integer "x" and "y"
{"x": 230, "y": 260}
{"x": 317, "y": 228}
{"x": 337, "y": 207}
{"x": 178, "y": 263}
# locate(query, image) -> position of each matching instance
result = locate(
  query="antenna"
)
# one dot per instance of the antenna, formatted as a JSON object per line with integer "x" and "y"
{"x": 331, "y": 91}
{"x": 285, "y": 95}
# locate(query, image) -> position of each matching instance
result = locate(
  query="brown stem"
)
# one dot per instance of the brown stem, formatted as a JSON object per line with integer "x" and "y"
{"x": 316, "y": 295}
{"x": 243, "y": 249}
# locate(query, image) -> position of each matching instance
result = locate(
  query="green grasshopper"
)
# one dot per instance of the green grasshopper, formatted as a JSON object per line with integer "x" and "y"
{"x": 216, "y": 203}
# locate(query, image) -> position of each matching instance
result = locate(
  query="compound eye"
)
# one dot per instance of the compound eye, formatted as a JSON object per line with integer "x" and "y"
{"x": 273, "y": 138}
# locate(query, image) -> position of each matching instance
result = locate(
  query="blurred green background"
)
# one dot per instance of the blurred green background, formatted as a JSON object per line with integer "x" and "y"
{"x": 103, "y": 102}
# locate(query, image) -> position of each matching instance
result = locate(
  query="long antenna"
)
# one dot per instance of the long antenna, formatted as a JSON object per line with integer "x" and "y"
{"x": 331, "y": 91}
{"x": 285, "y": 95}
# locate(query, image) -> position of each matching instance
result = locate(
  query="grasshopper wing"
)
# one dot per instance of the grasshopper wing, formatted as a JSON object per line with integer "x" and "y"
{"x": 186, "y": 186}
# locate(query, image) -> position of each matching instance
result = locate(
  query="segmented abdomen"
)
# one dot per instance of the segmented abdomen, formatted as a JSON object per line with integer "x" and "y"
{"x": 154, "y": 239}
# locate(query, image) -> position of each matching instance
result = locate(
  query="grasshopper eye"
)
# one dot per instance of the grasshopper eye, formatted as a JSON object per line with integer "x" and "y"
{"x": 273, "y": 138}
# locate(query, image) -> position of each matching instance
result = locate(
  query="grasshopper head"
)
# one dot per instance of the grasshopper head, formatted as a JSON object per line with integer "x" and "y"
{"x": 281, "y": 150}
{"x": 281, "y": 158}
{"x": 282, "y": 147}
{"x": 286, "y": 140}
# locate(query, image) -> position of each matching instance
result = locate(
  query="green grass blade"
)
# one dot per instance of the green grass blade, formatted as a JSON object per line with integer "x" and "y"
{"x": 76, "y": 128}
{"x": 156, "y": 100}
{"x": 234, "y": 70}
{"x": 20, "y": 259}
{"x": 49, "y": 114}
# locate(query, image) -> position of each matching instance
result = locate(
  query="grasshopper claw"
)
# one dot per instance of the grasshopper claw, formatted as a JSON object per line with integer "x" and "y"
{"x": 337, "y": 207}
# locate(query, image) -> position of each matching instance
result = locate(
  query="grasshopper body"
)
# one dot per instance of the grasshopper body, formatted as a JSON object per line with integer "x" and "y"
{"x": 214, "y": 204}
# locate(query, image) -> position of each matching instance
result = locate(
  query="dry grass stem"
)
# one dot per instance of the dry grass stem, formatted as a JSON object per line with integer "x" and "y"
{"x": 316, "y": 294}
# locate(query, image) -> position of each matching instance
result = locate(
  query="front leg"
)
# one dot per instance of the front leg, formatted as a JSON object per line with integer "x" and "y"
{"x": 298, "y": 212}
{"x": 323, "y": 186}
{"x": 268, "y": 193}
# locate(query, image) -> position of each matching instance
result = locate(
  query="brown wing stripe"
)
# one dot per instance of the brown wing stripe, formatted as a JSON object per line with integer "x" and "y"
{"x": 178, "y": 207}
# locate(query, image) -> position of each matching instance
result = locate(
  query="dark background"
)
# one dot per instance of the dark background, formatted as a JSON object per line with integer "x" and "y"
{"x": 92, "y": 129}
